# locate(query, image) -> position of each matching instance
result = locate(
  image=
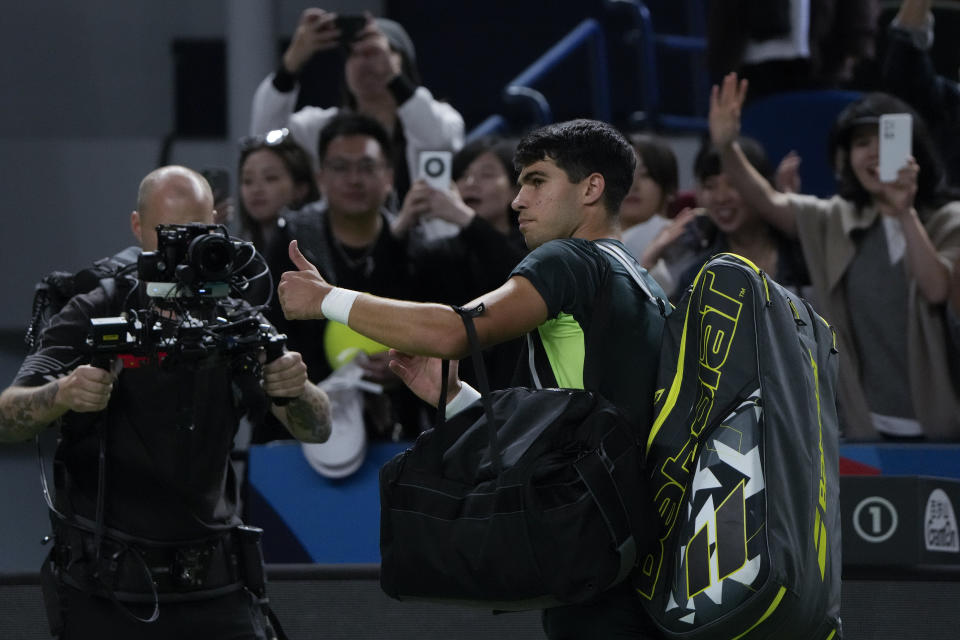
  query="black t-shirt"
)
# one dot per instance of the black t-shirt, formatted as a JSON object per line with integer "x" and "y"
{"x": 603, "y": 334}
{"x": 169, "y": 432}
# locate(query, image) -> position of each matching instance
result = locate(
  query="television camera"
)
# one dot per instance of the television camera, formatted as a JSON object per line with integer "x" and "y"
{"x": 190, "y": 317}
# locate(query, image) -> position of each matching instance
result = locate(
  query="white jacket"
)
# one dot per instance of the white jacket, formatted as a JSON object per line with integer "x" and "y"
{"x": 429, "y": 125}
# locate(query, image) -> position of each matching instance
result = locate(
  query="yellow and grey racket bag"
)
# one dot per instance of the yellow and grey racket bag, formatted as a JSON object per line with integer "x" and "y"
{"x": 743, "y": 461}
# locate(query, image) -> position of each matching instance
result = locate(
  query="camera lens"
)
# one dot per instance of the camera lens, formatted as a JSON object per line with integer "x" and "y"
{"x": 211, "y": 257}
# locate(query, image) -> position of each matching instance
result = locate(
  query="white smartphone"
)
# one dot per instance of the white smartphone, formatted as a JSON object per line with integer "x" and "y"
{"x": 896, "y": 144}
{"x": 435, "y": 168}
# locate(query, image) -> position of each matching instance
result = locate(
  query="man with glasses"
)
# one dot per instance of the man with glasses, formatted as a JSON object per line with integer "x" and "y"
{"x": 347, "y": 235}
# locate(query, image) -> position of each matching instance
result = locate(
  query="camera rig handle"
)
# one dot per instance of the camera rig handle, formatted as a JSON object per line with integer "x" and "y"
{"x": 101, "y": 361}
{"x": 137, "y": 343}
{"x": 273, "y": 349}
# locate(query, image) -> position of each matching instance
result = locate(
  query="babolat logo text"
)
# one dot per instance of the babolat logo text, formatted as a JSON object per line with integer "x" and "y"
{"x": 940, "y": 523}
{"x": 820, "y": 521}
{"x": 715, "y": 314}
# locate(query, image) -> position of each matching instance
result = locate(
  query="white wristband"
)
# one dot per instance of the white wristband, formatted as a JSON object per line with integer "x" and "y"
{"x": 337, "y": 303}
{"x": 464, "y": 398}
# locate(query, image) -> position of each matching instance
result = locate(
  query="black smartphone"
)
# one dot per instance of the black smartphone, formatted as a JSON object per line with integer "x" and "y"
{"x": 349, "y": 26}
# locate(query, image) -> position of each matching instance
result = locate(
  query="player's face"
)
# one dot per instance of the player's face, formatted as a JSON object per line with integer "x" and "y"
{"x": 549, "y": 205}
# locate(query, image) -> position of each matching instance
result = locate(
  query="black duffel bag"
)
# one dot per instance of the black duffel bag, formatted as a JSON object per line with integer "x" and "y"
{"x": 530, "y": 498}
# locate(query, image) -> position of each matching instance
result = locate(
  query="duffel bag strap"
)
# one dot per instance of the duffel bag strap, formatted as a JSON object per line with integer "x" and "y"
{"x": 630, "y": 264}
{"x": 594, "y": 470}
{"x": 467, "y": 315}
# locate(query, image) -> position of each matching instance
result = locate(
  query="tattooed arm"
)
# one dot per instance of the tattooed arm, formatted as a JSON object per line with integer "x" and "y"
{"x": 25, "y": 411}
{"x": 307, "y": 415}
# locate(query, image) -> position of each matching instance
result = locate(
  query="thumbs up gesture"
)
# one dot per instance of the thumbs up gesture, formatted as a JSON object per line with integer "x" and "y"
{"x": 301, "y": 292}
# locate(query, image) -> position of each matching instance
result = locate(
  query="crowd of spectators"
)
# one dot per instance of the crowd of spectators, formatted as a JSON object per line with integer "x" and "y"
{"x": 376, "y": 225}
{"x": 879, "y": 259}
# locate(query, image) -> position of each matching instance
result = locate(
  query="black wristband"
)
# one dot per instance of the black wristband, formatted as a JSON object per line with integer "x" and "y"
{"x": 402, "y": 88}
{"x": 284, "y": 81}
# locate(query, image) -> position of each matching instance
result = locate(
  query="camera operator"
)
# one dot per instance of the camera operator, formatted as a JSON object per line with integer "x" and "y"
{"x": 147, "y": 539}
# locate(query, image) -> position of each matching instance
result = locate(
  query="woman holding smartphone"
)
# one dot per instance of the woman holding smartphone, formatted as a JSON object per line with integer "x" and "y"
{"x": 275, "y": 175}
{"x": 880, "y": 257}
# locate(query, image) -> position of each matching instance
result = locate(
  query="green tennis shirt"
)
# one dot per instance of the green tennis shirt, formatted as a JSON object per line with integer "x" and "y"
{"x": 603, "y": 334}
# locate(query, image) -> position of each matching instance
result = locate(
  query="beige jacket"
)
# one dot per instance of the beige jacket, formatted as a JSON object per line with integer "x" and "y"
{"x": 824, "y": 228}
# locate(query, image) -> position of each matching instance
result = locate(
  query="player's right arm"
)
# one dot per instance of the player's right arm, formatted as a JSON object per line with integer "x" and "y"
{"x": 417, "y": 328}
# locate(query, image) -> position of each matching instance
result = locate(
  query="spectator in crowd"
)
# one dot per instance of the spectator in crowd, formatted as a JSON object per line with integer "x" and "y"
{"x": 573, "y": 179}
{"x": 730, "y": 224}
{"x": 644, "y": 210}
{"x": 348, "y": 236}
{"x": 381, "y": 81}
{"x": 643, "y": 214}
{"x": 276, "y": 174}
{"x": 908, "y": 73}
{"x": 145, "y": 514}
{"x": 675, "y": 247}
{"x": 788, "y": 45}
{"x": 488, "y": 246}
{"x": 880, "y": 257}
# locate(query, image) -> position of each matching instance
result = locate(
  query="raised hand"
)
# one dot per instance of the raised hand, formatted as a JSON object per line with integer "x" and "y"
{"x": 896, "y": 198}
{"x": 726, "y": 102}
{"x": 85, "y": 389}
{"x": 301, "y": 292}
{"x": 787, "y": 177}
{"x": 315, "y": 32}
{"x": 667, "y": 236}
{"x": 447, "y": 204}
{"x": 376, "y": 368}
{"x": 415, "y": 204}
{"x": 285, "y": 377}
{"x": 424, "y": 200}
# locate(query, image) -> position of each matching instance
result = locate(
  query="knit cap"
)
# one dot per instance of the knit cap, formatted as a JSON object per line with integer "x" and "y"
{"x": 398, "y": 38}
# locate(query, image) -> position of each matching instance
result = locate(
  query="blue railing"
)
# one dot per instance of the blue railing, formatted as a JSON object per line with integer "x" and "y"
{"x": 646, "y": 43}
{"x": 590, "y": 34}
{"x": 521, "y": 90}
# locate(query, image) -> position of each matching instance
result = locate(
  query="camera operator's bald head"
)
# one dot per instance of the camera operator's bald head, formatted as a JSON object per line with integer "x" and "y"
{"x": 170, "y": 195}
